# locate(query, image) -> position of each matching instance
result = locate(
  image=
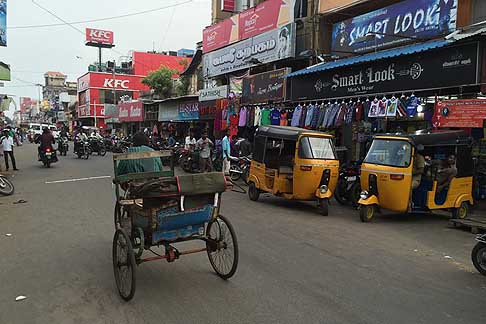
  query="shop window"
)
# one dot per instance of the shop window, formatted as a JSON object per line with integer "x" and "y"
{"x": 301, "y": 8}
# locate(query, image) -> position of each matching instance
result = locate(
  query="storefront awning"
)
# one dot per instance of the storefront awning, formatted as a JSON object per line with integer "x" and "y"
{"x": 406, "y": 50}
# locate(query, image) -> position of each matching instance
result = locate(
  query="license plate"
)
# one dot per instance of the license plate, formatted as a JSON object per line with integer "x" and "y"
{"x": 353, "y": 178}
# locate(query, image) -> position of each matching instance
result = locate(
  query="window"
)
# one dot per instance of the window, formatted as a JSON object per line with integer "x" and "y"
{"x": 259, "y": 148}
{"x": 389, "y": 152}
{"x": 316, "y": 148}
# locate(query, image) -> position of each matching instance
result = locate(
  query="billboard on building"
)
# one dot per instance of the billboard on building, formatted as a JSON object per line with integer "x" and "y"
{"x": 271, "y": 46}
{"x": 3, "y": 22}
{"x": 394, "y": 25}
{"x": 264, "y": 86}
{"x": 262, "y": 18}
{"x": 460, "y": 113}
{"x": 99, "y": 37}
{"x": 220, "y": 92}
{"x": 130, "y": 111}
{"x": 228, "y": 5}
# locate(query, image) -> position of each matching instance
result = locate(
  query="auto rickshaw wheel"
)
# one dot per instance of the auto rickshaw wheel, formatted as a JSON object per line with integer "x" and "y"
{"x": 461, "y": 212}
{"x": 253, "y": 192}
{"x": 324, "y": 206}
{"x": 367, "y": 213}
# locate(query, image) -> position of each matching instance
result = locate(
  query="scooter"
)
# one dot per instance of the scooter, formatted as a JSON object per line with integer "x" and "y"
{"x": 63, "y": 146}
{"x": 83, "y": 150}
{"x": 478, "y": 254}
{"x": 6, "y": 186}
{"x": 239, "y": 168}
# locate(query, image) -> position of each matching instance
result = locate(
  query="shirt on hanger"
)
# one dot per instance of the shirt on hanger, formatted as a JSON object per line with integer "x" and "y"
{"x": 308, "y": 117}
{"x": 265, "y": 117}
{"x": 303, "y": 117}
{"x": 296, "y": 116}
{"x": 283, "y": 118}
{"x": 242, "y": 118}
{"x": 358, "y": 111}
{"x": 275, "y": 116}
{"x": 322, "y": 114}
{"x": 315, "y": 117}
{"x": 348, "y": 114}
{"x": 257, "y": 117}
{"x": 412, "y": 105}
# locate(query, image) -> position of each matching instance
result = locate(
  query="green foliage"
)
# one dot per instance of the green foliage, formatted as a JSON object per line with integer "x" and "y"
{"x": 161, "y": 81}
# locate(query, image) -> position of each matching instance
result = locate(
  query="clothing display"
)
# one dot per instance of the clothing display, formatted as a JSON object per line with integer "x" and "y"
{"x": 275, "y": 117}
{"x": 283, "y": 118}
{"x": 257, "y": 118}
{"x": 309, "y": 115}
{"x": 242, "y": 117}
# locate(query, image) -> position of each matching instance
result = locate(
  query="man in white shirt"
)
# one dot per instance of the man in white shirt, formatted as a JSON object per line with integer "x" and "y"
{"x": 7, "y": 144}
{"x": 190, "y": 142}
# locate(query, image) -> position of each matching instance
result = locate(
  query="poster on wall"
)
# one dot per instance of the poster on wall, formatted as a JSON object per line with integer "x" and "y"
{"x": 395, "y": 25}
{"x": 264, "y": 86}
{"x": 462, "y": 113}
{"x": 271, "y": 46}
{"x": 3, "y": 22}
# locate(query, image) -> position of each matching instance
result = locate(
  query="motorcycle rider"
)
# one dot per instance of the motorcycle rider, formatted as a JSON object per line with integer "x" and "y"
{"x": 46, "y": 140}
{"x": 79, "y": 140}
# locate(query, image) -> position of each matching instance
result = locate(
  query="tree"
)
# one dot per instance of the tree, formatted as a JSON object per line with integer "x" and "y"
{"x": 161, "y": 81}
{"x": 182, "y": 84}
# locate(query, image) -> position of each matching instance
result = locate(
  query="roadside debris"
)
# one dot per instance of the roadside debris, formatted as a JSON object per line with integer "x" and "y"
{"x": 20, "y": 298}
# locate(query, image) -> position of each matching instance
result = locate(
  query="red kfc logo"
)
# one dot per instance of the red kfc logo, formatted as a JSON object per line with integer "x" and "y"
{"x": 99, "y": 36}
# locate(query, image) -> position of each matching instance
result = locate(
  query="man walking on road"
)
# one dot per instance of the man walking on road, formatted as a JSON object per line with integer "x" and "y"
{"x": 7, "y": 144}
{"x": 226, "y": 152}
{"x": 204, "y": 144}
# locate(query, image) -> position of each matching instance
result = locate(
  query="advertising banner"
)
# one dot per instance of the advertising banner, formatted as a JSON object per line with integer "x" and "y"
{"x": 264, "y": 86}
{"x": 83, "y": 82}
{"x": 130, "y": 111}
{"x": 26, "y": 105}
{"x": 268, "y": 47}
{"x": 188, "y": 111}
{"x": 463, "y": 113}
{"x": 395, "y": 25}
{"x": 96, "y": 37}
{"x": 442, "y": 68}
{"x": 89, "y": 111}
{"x": 213, "y": 93}
{"x": 264, "y": 17}
{"x": 3, "y": 23}
{"x": 228, "y": 5}
{"x": 121, "y": 82}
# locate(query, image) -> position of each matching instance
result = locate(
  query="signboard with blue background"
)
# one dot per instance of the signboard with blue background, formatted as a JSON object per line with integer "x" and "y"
{"x": 395, "y": 25}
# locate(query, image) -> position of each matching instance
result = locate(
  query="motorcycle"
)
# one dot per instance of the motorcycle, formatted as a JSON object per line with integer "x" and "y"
{"x": 48, "y": 156}
{"x": 348, "y": 187}
{"x": 63, "y": 146}
{"x": 478, "y": 254}
{"x": 122, "y": 145}
{"x": 191, "y": 162}
{"x": 239, "y": 168}
{"x": 97, "y": 145}
{"x": 6, "y": 186}
{"x": 83, "y": 150}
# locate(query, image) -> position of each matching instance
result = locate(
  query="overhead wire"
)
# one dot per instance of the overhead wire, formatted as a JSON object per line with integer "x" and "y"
{"x": 97, "y": 19}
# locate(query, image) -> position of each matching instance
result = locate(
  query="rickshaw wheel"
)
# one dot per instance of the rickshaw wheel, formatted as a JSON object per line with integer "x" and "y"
{"x": 222, "y": 247}
{"x": 461, "y": 212}
{"x": 253, "y": 192}
{"x": 478, "y": 256}
{"x": 367, "y": 213}
{"x": 124, "y": 265}
{"x": 324, "y": 206}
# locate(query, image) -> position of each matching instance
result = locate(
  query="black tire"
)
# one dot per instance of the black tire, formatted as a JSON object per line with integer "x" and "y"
{"x": 246, "y": 175}
{"x": 367, "y": 213}
{"x": 222, "y": 248}
{"x": 6, "y": 187}
{"x": 123, "y": 257}
{"x": 462, "y": 212}
{"x": 235, "y": 173}
{"x": 102, "y": 151}
{"x": 340, "y": 192}
{"x": 253, "y": 192}
{"x": 80, "y": 155}
{"x": 354, "y": 193}
{"x": 324, "y": 206}
{"x": 48, "y": 164}
{"x": 478, "y": 256}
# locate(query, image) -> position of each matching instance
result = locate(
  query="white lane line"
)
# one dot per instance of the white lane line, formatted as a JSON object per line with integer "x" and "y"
{"x": 78, "y": 179}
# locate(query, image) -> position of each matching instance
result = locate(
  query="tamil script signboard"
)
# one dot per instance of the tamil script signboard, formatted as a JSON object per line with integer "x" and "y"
{"x": 442, "y": 68}
{"x": 395, "y": 25}
{"x": 268, "y": 47}
{"x": 462, "y": 113}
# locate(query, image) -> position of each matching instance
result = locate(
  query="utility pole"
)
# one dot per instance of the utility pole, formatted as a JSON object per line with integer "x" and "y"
{"x": 114, "y": 83}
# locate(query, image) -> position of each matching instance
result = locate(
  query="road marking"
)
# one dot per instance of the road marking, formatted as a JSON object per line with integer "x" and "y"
{"x": 78, "y": 179}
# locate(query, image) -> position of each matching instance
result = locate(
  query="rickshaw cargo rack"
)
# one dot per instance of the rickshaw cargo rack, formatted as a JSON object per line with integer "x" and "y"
{"x": 158, "y": 210}
{"x": 476, "y": 223}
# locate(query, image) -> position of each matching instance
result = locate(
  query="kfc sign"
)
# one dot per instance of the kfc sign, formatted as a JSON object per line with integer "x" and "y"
{"x": 98, "y": 36}
{"x": 110, "y": 83}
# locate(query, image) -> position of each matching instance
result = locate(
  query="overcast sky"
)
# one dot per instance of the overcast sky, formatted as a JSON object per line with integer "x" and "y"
{"x": 33, "y": 51}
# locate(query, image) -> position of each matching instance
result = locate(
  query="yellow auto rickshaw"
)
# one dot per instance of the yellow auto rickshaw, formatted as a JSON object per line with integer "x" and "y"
{"x": 293, "y": 163}
{"x": 419, "y": 172}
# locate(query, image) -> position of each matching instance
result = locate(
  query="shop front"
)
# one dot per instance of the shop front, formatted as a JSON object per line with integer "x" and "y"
{"x": 130, "y": 115}
{"x": 389, "y": 91}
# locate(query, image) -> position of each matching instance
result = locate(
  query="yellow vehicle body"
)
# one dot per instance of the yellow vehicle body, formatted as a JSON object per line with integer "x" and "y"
{"x": 392, "y": 185}
{"x": 303, "y": 178}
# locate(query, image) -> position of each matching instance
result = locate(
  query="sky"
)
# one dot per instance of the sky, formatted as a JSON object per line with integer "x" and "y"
{"x": 33, "y": 51}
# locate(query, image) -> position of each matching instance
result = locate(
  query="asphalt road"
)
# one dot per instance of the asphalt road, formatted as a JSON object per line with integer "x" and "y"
{"x": 295, "y": 265}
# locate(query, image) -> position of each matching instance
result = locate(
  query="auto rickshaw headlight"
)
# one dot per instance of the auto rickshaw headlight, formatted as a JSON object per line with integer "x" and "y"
{"x": 364, "y": 194}
{"x": 323, "y": 189}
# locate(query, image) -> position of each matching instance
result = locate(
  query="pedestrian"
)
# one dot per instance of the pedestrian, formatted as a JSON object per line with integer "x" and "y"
{"x": 204, "y": 144}
{"x": 226, "y": 152}
{"x": 7, "y": 144}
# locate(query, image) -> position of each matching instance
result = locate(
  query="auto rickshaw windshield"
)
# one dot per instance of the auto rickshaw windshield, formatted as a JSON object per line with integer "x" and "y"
{"x": 393, "y": 153}
{"x": 316, "y": 148}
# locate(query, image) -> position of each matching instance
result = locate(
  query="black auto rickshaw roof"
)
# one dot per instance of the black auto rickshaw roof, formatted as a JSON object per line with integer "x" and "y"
{"x": 285, "y": 132}
{"x": 434, "y": 137}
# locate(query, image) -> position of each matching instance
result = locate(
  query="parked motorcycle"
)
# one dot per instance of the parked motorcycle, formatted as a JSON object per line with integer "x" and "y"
{"x": 63, "y": 146}
{"x": 6, "y": 186}
{"x": 348, "y": 187}
{"x": 478, "y": 254}
{"x": 239, "y": 168}
{"x": 97, "y": 145}
{"x": 48, "y": 156}
{"x": 83, "y": 150}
